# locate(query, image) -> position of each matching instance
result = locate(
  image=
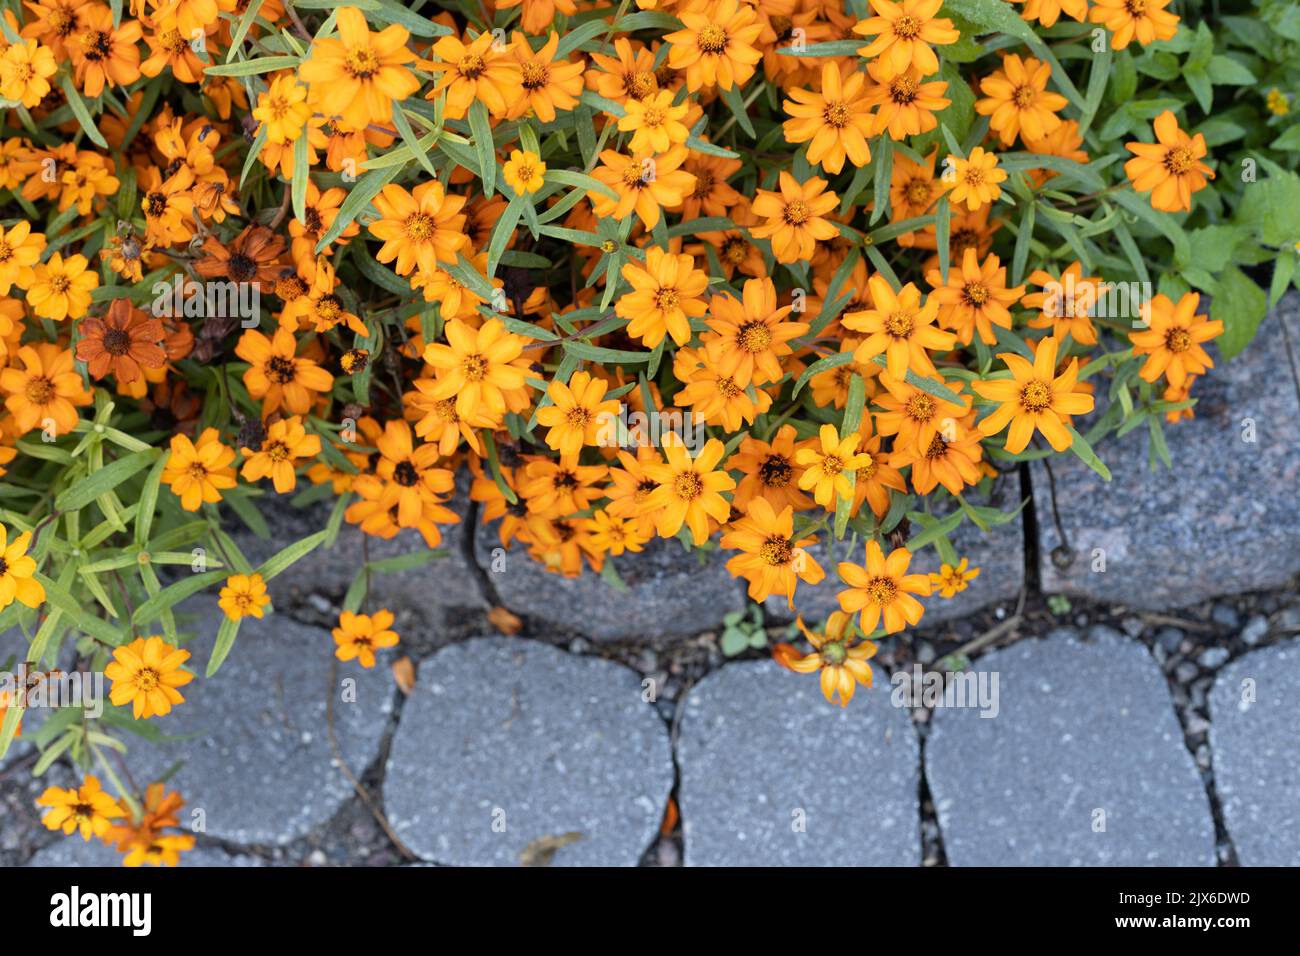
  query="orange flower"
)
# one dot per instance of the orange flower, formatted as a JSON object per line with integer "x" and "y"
{"x": 904, "y": 105}
{"x": 20, "y": 251}
{"x": 794, "y": 217}
{"x": 750, "y": 337}
{"x": 716, "y": 46}
{"x": 122, "y": 342}
{"x": 478, "y": 367}
{"x": 1047, "y": 12}
{"x": 1034, "y": 398}
{"x": 87, "y": 809}
{"x": 198, "y": 471}
{"x": 576, "y": 415}
{"x": 25, "y": 69}
{"x": 773, "y": 562}
{"x": 1064, "y": 303}
{"x": 244, "y": 595}
{"x": 360, "y": 74}
{"x": 900, "y": 327}
{"x": 250, "y": 257}
{"x": 145, "y": 674}
{"x": 951, "y": 462}
{"x": 903, "y": 33}
{"x": 276, "y": 376}
{"x": 827, "y": 467}
{"x": 836, "y": 119}
{"x": 1173, "y": 340}
{"x": 358, "y": 636}
{"x": 883, "y": 588}
{"x": 950, "y": 580}
{"x": 666, "y": 294}
{"x": 841, "y": 661}
{"x": 643, "y": 183}
{"x": 655, "y": 123}
{"x": 61, "y": 287}
{"x": 285, "y": 441}
{"x": 46, "y": 388}
{"x": 1016, "y": 100}
{"x": 975, "y": 298}
{"x": 103, "y": 55}
{"x": 1170, "y": 168}
{"x": 769, "y": 472}
{"x": 689, "y": 491}
{"x": 1147, "y": 21}
{"x": 974, "y": 180}
{"x": 419, "y": 228}
{"x": 478, "y": 70}
{"x": 549, "y": 85}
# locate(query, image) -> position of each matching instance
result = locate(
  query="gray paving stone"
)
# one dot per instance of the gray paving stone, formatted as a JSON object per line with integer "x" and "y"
{"x": 1254, "y": 714}
{"x": 257, "y": 755}
{"x": 427, "y": 595}
{"x": 1081, "y": 727}
{"x": 773, "y": 775}
{"x": 671, "y": 592}
{"x": 73, "y": 851}
{"x": 999, "y": 554}
{"x": 1225, "y": 497}
{"x": 505, "y": 742}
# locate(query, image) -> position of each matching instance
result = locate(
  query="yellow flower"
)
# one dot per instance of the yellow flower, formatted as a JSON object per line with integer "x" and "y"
{"x": 285, "y": 441}
{"x": 1277, "y": 102}
{"x": 419, "y": 228}
{"x": 827, "y": 468}
{"x": 949, "y": 580}
{"x": 16, "y": 571}
{"x": 146, "y": 673}
{"x": 842, "y": 662}
{"x": 1035, "y": 397}
{"x": 360, "y": 74}
{"x": 689, "y": 489}
{"x": 283, "y": 109}
{"x": 61, "y": 288}
{"x": 25, "y": 70}
{"x": 716, "y": 46}
{"x": 480, "y": 70}
{"x": 576, "y": 415}
{"x": 655, "y": 123}
{"x": 974, "y": 180}
{"x": 525, "y": 172}
{"x": 667, "y": 292}
{"x": 87, "y": 808}
{"x": 794, "y": 217}
{"x": 903, "y": 33}
{"x": 477, "y": 367}
{"x": 197, "y": 472}
{"x": 20, "y": 251}
{"x": 244, "y": 596}
{"x": 613, "y": 535}
{"x": 358, "y": 636}
{"x": 900, "y": 327}
{"x": 883, "y": 588}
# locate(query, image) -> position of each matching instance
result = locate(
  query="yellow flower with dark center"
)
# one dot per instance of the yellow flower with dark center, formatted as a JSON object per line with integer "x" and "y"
{"x": 286, "y": 441}
{"x": 1035, "y": 398}
{"x": 277, "y": 376}
{"x": 145, "y": 674}
{"x": 840, "y": 658}
{"x": 900, "y": 328}
{"x": 750, "y": 337}
{"x": 975, "y": 298}
{"x": 17, "y": 570}
{"x": 773, "y": 561}
{"x": 358, "y": 636}
{"x": 577, "y": 414}
{"x": 244, "y": 595}
{"x": 690, "y": 489}
{"x": 199, "y": 471}
{"x": 950, "y": 580}
{"x": 915, "y": 415}
{"x": 882, "y": 589}
{"x": 87, "y": 809}
{"x": 479, "y": 70}
{"x": 644, "y": 183}
{"x": 420, "y": 228}
{"x": 828, "y": 466}
{"x": 904, "y": 105}
{"x": 1174, "y": 339}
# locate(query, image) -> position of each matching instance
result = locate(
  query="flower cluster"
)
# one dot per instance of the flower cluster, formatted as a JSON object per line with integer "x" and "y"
{"x": 759, "y": 275}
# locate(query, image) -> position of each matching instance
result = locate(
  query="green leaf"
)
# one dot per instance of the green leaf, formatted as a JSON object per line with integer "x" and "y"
{"x": 822, "y": 365}
{"x": 298, "y": 186}
{"x": 80, "y": 112}
{"x": 103, "y": 481}
{"x": 738, "y": 109}
{"x": 241, "y": 29}
{"x": 264, "y": 64}
{"x": 169, "y": 597}
{"x": 1240, "y": 305}
{"x": 420, "y": 152}
{"x": 1084, "y": 452}
{"x": 481, "y": 127}
{"x": 226, "y": 635}
{"x": 282, "y": 559}
{"x": 567, "y": 177}
{"x": 149, "y": 501}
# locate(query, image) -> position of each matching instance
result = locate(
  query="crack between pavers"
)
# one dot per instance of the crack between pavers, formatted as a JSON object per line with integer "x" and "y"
{"x": 1029, "y": 522}
{"x": 487, "y": 590}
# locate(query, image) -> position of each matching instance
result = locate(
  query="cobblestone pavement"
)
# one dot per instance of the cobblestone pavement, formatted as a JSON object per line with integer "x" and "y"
{"x": 1124, "y": 689}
